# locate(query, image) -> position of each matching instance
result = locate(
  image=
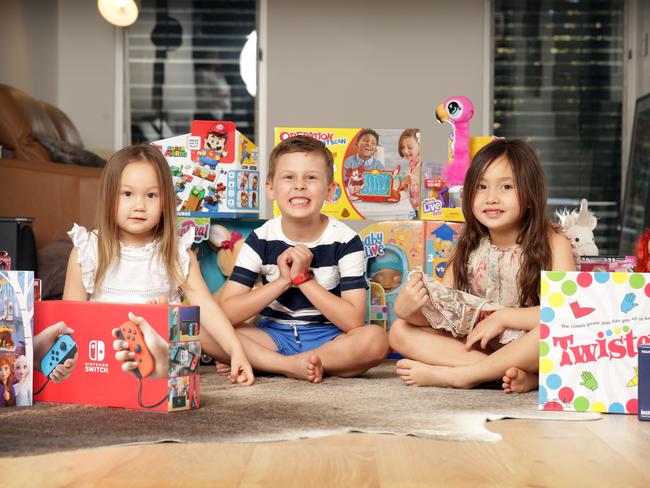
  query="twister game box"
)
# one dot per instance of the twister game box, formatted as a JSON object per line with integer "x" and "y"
{"x": 16, "y": 329}
{"x": 376, "y": 171}
{"x": 166, "y": 349}
{"x": 214, "y": 170}
{"x": 591, "y": 327}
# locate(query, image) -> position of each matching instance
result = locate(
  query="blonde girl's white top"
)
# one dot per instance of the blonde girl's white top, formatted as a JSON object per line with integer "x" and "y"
{"x": 140, "y": 274}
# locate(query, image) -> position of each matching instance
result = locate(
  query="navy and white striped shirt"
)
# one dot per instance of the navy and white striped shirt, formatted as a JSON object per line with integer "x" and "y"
{"x": 338, "y": 265}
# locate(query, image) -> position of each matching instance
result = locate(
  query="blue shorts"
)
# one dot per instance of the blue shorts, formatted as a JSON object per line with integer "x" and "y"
{"x": 294, "y": 339}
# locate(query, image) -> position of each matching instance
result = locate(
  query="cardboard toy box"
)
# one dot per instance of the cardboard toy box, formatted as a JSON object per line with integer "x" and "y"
{"x": 440, "y": 239}
{"x": 591, "y": 327}
{"x": 374, "y": 184}
{"x": 609, "y": 264}
{"x": 215, "y": 171}
{"x": 97, "y": 377}
{"x": 16, "y": 330}
{"x": 392, "y": 250}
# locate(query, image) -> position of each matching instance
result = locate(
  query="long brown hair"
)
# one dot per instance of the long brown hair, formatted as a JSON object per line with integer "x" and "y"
{"x": 108, "y": 241}
{"x": 535, "y": 230}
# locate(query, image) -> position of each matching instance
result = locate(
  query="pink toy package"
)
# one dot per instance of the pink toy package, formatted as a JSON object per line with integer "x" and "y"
{"x": 609, "y": 264}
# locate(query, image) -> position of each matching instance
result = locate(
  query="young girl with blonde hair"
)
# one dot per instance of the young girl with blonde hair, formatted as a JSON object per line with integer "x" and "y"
{"x": 134, "y": 255}
{"x": 508, "y": 239}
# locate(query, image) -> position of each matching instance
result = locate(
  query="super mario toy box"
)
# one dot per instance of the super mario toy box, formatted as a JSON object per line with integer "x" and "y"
{"x": 214, "y": 170}
{"x": 16, "y": 358}
{"x": 591, "y": 327}
{"x": 376, "y": 171}
{"x": 165, "y": 345}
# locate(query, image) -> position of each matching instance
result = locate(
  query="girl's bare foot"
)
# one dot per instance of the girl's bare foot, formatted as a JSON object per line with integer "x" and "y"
{"x": 223, "y": 368}
{"x": 308, "y": 368}
{"x": 517, "y": 380}
{"x": 415, "y": 373}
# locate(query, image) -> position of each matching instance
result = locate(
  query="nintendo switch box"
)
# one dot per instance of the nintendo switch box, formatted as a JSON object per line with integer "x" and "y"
{"x": 164, "y": 348}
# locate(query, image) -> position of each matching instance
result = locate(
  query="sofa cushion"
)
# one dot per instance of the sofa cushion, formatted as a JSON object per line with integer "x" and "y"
{"x": 15, "y": 129}
{"x": 52, "y": 266}
{"x": 64, "y": 126}
{"x": 64, "y": 152}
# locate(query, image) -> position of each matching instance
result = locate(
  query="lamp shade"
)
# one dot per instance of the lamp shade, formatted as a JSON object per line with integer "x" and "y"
{"x": 121, "y": 13}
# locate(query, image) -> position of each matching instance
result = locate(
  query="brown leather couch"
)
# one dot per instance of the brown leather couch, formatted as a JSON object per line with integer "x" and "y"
{"x": 31, "y": 185}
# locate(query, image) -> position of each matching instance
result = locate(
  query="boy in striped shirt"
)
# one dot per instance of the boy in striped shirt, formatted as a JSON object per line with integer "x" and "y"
{"x": 311, "y": 306}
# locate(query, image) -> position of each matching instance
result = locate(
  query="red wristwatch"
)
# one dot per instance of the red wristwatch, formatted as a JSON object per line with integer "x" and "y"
{"x": 301, "y": 278}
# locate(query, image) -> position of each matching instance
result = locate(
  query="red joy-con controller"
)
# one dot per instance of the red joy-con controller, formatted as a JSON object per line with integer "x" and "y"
{"x": 132, "y": 334}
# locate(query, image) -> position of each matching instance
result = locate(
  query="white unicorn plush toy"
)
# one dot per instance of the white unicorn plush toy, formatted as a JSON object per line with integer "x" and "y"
{"x": 579, "y": 226}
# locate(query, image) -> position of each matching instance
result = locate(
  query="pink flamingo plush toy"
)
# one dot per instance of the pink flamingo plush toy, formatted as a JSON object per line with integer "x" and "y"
{"x": 457, "y": 111}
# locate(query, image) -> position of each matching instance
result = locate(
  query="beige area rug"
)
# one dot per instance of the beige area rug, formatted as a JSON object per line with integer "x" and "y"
{"x": 275, "y": 409}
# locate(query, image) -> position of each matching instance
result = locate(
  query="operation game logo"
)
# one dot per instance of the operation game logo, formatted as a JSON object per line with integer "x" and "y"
{"x": 326, "y": 138}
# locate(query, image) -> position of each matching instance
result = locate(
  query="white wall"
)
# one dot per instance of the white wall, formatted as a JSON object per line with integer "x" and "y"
{"x": 380, "y": 64}
{"x": 87, "y": 86}
{"x": 28, "y": 47}
{"x": 63, "y": 52}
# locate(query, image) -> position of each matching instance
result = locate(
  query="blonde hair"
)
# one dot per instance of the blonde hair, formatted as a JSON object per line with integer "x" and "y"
{"x": 301, "y": 144}
{"x": 108, "y": 242}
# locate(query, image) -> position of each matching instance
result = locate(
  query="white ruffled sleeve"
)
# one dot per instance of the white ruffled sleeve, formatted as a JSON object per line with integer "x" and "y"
{"x": 86, "y": 244}
{"x": 184, "y": 244}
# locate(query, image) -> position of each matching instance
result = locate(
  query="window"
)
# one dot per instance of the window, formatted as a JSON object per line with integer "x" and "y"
{"x": 184, "y": 64}
{"x": 558, "y": 83}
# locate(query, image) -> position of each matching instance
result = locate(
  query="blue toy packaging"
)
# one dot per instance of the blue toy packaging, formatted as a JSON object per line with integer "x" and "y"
{"x": 643, "y": 373}
{"x": 16, "y": 331}
{"x": 440, "y": 240}
{"x": 214, "y": 170}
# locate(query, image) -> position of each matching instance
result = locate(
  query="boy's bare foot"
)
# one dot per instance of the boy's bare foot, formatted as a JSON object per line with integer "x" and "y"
{"x": 517, "y": 380}
{"x": 415, "y": 373}
{"x": 308, "y": 368}
{"x": 223, "y": 368}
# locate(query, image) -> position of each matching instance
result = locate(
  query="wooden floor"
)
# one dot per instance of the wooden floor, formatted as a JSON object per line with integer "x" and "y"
{"x": 614, "y": 451}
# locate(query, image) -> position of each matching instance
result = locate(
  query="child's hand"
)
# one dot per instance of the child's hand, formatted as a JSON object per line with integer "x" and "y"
{"x": 161, "y": 300}
{"x": 42, "y": 343}
{"x": 157, "y": 346}
{"x": 240, "y": 370}
{"x": 284, "y": 264}
{"x": 301, "y": 258}
{"x": 412, "y": 297}
{"x": 485, "y": 330}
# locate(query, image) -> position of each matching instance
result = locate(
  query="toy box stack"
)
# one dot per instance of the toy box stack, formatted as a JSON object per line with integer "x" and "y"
{"x": 167, "y": 353}
{"x": 16, "y": 329}
{"x": 592, "y": 325}
{"x": 214, "y": 170}
{"x": 376, "y": 176}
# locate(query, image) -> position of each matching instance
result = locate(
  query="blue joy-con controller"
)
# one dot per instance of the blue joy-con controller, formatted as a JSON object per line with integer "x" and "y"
{"x": 64, "y": 348}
